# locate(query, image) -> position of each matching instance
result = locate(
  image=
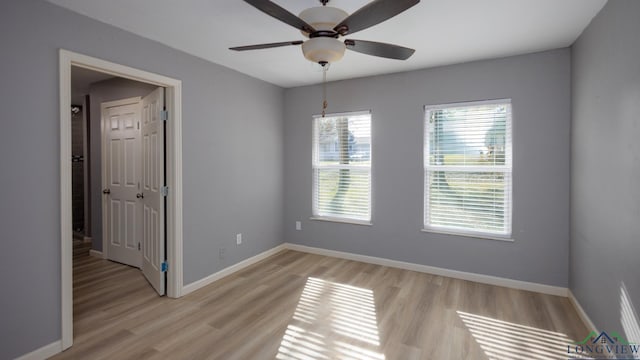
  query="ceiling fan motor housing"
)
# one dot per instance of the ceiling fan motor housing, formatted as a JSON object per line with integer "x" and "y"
{"x": 323, "y": 18}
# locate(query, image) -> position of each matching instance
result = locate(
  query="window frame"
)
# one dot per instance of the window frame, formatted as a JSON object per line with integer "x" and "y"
{"x": 315, "y": 165}
{"x": 507, "y": 169}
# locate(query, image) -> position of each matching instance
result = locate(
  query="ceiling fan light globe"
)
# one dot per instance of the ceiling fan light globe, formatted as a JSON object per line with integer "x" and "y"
{"x": 322, "y": 18}
{"x": 323, "y": 50}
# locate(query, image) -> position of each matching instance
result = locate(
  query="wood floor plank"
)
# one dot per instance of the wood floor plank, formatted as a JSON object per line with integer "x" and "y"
{"x": 295, "y": 306}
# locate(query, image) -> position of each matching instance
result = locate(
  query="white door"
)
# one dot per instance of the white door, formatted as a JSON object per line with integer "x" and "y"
{"x": 153, "y": 180}
{"x": 122, "y": 206}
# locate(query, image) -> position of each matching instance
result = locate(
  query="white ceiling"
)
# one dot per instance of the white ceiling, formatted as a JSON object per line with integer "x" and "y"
{"x": 442, "y": 32}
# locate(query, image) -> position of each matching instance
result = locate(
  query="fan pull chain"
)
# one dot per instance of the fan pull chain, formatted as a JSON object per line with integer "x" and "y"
{"x": 324, "y": 89}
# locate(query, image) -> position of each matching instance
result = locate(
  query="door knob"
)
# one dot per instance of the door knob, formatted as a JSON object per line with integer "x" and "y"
{"x": 140, "y": 195}
{"x": 106, "y": 191}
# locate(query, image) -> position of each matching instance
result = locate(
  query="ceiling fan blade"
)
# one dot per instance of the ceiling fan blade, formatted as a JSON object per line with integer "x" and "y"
{"x": 389, "y": 51}
{"x": 281, "y": 14}
{"x": 266, "y": 46}
{"x": 373, "y": 13}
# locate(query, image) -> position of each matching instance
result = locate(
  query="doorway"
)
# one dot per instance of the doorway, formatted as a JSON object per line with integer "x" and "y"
{"x": 173, "y": 173}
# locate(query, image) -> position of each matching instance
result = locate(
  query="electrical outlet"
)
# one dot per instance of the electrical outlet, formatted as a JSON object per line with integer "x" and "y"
{"x": 221, "y": 253}
{"x": 238, "y": 239}
{"x": 298, "y": 225}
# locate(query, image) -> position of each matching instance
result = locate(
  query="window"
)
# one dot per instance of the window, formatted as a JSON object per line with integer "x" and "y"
{"x": 342, "y": 167}
{"x": 467, "y": 168}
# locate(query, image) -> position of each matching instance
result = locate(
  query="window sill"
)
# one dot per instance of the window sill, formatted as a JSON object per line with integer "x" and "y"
{"x": 344, "y": 221}
{"x": 476, "y": 236}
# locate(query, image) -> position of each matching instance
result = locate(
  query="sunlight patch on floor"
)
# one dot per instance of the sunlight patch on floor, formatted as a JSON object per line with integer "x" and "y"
{"x": 332, "y": 321}
{"x": 506, "y": 340}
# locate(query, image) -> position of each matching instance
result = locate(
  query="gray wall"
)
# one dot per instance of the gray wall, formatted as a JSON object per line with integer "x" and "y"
{"x": 605, "y": 196}
{"x": 103, "y": 91}
{"x": 539, "y": 86}
{"x": 232, "y": 131}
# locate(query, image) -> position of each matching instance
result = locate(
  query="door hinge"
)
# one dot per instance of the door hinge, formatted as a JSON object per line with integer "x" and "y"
{"x": 138, "y": 246}
{"x": 164, "y": 115}
{"x": 164, "y": 266}
{"x": 164, "y": 190}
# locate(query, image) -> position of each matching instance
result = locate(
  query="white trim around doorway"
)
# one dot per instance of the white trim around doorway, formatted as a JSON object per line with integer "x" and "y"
{"x": 173, "y": 168}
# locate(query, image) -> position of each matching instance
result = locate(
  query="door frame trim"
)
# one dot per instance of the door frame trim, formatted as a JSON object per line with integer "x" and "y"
{"x": 173, "y": 168}
{"x": 103, "y": 163}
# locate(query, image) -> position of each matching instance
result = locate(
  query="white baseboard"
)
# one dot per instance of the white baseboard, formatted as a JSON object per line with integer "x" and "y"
{"x": 230, "y": 270}
{"x": 583, "y": 314}
{"x": 96, "y": 253}
{"x": 44, "y": 352}
{"x": 485, "y": 279}
{"x": 480, "y": 278}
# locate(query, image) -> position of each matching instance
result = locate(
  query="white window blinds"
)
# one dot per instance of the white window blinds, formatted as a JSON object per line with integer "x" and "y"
{"x": 342, "y": 167}
{"x": 467, "y": 168}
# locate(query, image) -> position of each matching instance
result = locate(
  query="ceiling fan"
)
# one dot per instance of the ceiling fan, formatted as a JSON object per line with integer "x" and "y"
{"x": 325, "y": 25}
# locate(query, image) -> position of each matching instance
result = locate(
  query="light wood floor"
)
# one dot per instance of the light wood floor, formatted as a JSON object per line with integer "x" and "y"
{"x": 301, "y": 306}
